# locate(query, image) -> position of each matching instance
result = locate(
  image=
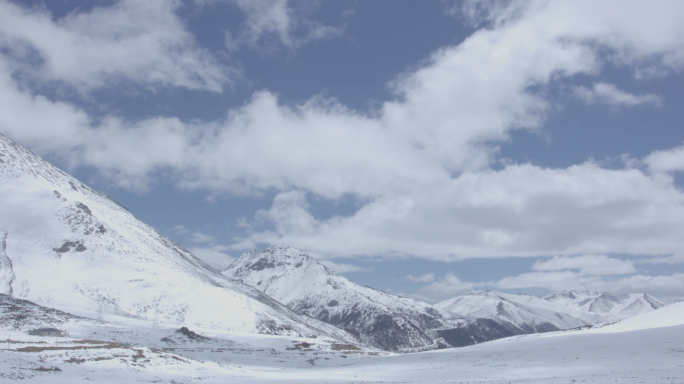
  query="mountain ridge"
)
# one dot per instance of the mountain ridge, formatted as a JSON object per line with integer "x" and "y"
{"x": 307, "y": 286}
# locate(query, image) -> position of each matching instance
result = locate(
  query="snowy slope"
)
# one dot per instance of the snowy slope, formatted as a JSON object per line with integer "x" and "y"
{"x": 64, "y": 244}
{"x": 647, "y": 351}
{"x": 305, "y": 285}
{"x": 667, "y": 316}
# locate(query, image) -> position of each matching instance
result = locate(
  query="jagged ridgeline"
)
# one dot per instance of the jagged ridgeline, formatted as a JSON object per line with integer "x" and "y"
{"x": 379, "y": 319}
{"x": 395, "y": 323}
{"x": 63, "y": 244}
{"x": 519, "y": 314}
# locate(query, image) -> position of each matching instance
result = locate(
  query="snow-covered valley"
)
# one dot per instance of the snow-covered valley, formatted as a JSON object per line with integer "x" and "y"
{"x": 135, "y": 306}
{"x": 643, "y": 349}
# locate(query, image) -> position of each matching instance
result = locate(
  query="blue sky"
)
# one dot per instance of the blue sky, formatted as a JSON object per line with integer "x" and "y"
{"x": 425, "y": 148}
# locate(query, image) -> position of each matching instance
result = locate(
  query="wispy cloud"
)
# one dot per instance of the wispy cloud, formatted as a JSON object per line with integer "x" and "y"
{"x": 611, "y": 95}
{"x": 664, "y": 285}
{"x": 587, "y": 264}
{"x": 213, "y": 255}
{"x": 344, "y": 268}
{"x": 426, "y": 278}
{"x": 179, "y": 229}
{"x": 451, "y": 286}
{"x": 199, "y": 237}
{"x": 277, "y": 20}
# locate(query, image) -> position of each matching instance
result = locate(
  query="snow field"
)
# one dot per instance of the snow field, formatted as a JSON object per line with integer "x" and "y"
{"x": 648, "y": 348}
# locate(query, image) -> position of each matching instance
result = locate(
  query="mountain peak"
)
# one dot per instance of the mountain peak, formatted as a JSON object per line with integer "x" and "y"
{"x": 307, "y": 286}
{"x": 276, "y": 259}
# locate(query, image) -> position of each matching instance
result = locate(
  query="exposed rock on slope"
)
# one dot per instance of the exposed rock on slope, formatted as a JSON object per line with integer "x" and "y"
{"x": 18, "y": 314}
{"x": 68, "y": 245}
{"x": 6, "y": 270}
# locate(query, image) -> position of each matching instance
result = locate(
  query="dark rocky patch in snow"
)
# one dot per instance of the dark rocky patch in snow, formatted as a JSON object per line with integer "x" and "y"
{"x": 24, "y": 315}
{"x": 191, "y": 335}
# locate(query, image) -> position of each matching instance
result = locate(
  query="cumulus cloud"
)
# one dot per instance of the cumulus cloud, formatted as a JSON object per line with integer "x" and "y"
{"x": 142, "y": 42}
{"x": 670, "y": 160}
{"x": 587, "y": 264}
{"x": 611, "y": 95}
{"x": 465, "y": 99}
{"x": 420, "y": 164}
{"x": 521, "y": 210}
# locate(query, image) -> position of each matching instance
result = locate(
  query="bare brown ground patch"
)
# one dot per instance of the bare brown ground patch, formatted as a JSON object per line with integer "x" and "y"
{"x": 103, "y": 345}
{"x": 345, "y": 347}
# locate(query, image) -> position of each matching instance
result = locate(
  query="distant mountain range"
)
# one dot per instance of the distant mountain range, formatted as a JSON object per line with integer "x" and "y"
{"x": 63, "y": 244}
{"x": 529, "y": 314}
{"x": 396, "y": 323}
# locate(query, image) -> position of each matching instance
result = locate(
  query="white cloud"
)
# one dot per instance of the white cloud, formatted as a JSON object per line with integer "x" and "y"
{"x": 465, "y": 99}
{"x": 199, "y": 237}
{"x": 587, "y": 264}
{"x": 673, "y": 259}
{"x": 420, "y": 164}
{"x": 426, "y": 278}
{"x": 282, "y": 20}
{"x": 143, "y": 42}
{"x": 521, "y": 210}
{"x": 344, "y": 268}
{"x": 450, "y": 286}
{"x": 611, "y": 95}
{"x": 214, "y": 255}
{"x": 179, "y": 229}
{"x": 666, "y": 161}
{"x": 672, "y": 285}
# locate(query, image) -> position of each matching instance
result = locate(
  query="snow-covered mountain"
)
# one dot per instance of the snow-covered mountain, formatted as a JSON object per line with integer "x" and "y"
{"x": 506, "y": 310}
{"x": 530, "y": 314}
{"x": 379, "y": 319}
{"x": 307, "y": 286}
{"x": 609, "y": 306}
{"x": 64, "y": 244}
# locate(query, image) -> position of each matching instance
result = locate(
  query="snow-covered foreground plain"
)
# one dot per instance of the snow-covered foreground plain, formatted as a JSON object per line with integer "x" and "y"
{"x": 648, "y": 348}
